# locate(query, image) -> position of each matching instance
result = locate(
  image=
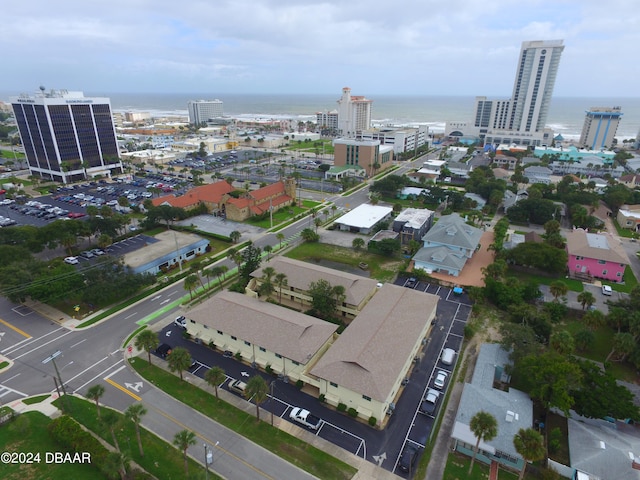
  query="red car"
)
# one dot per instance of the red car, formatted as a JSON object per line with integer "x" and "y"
{"x": 76, "y": 215}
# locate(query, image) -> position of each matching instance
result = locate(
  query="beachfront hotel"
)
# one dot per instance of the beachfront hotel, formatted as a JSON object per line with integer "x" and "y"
{"x": 354, "y": 113}
{"x": 600, "y": 127}
{"x": 201, "y": 111}
{"x": 521, "y": 119}
{"x": 67, "y": 136}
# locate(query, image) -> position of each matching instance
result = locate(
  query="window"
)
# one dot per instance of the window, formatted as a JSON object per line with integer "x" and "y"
{"x": 578, "y": 257}
{"x": 368, "y": 399}
{"x": 602, "y": 262}
{"x": 294, "y": 362}
{"x": 577, "y": 267}
{"x": 219, "y": 332}
{"x": 604, "y": 272}
{"x": 247, "y": 343}
{"x": 618, "y": 274}
{"x": 278, "y": 355}
{"x": 335, "y": 385}
{"x": 262, "y": 349}
{"x": 233, "y": 338}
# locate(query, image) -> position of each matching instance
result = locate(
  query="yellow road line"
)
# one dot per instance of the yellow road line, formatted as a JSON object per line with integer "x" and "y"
{"x": 227, "y": 452}
{"x": 15, "y": 329}
{"x": 120, "y": 387}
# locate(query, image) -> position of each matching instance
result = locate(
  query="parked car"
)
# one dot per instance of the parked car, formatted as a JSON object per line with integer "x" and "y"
{"x": 441, "y": 379}
{"x": 430, "y": 402}
{"x": 408, "y": 458}
{"x": 606, "y": 290}
{"x": 448, "y": 355}
{"x": 238, "y": 387}
{"x": 180, "y": 321}
{"x": 87, "y": 254}
{"x": 72, "y": 260}
{"x": 164, "y": 350}
{"x": 411, "y": 283}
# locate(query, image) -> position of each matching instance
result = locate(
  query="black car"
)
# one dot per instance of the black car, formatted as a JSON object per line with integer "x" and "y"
{"x": 411, "y": 283}
{"x": 164, "y": 350}
{"x": 408, "y": 458}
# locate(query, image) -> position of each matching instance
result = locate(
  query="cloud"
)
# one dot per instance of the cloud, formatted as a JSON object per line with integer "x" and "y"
{"x": 409, "y": 46}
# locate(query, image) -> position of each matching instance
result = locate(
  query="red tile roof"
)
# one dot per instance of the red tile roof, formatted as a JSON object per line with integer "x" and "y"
{"x": 211, "y": 193}
{"x": 268, "y": 191}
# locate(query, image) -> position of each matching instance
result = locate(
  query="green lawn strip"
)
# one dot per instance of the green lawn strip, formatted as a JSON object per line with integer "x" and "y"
{"x": 161, "y": 459}
{"x": 380, "y": 268}
{"x": 630, "y": 281}
{"x": 32, "y": 400}
{"x": 135, "y": 332}
{"x": 622, "y": 232}
{"x": 35, "y": 438}
{"x": 3, "y": 364}
{"x": 292, "y": 449}
{"x": 572, "y": 284}
{"x": 458, "y": 467}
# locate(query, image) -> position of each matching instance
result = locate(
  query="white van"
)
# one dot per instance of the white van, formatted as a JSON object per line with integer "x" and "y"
{"x": 238, "y": 387}
{"x": 448, "y": 355}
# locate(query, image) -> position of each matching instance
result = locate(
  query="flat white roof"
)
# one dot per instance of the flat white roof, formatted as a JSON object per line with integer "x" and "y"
{"x": 364, "y": 216}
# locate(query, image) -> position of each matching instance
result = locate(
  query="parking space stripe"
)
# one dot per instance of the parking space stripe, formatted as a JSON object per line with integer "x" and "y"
{"x": 15, "y": 329}
{"x": 120, "y": 387}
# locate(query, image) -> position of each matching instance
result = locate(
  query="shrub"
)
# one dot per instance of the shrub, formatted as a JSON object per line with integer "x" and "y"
{"x": 299, "y": 384}
{"x": 373, "y": 421}
{"x": 342, "y": 407}
{"x": 66, "y": 432}
{"x": 268, "y": 369}
{"x": 212, "y": 345}
{"x": 321, "y": 398}
{"x": 352, "y": 412}
{"x": 238, "y": 356}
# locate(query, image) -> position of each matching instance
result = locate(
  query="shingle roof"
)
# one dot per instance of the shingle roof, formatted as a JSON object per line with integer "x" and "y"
{"x": 452, "y": 230}
{"x": 600, "y": 246}
{"x": 440, "y": 256}
{"x": 291, "y": 334}
{"x": 369, "y": 355}
{"x": 301, "y": 274}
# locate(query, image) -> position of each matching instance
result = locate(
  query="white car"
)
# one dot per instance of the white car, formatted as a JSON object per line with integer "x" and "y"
{"x": 606, "y": 290}
{"x": 441, "y": 379}
{"x": 180, "y": 321}
{"x": 72, "y": 260}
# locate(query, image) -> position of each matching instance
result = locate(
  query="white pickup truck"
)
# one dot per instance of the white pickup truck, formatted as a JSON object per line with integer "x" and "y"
{"x": 305, "y": 418}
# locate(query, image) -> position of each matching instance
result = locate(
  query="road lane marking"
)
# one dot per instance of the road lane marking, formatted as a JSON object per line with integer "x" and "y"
{"x": 208, "y": 440}
{"x": 121, "y": 388}
{"x": 17, "y": 346}
{"x": 15, "y": 329}
{"x": 76, "y": 344}
{"x": 132, "y": 315}
{"x": 11, "y": 378}
{"x": 43, "y": 345}
{"x": 10, "y": 390}
{"x": 98, "y": 375}
{"x": 115, "y": 371}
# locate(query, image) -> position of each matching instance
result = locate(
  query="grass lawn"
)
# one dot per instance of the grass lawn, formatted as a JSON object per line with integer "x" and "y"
{"x": 622, "y": 232}
{"x": 380, "y": 268}
{"x": 557, "y": 421}
{"x": 282, "y": 215}
{"x": 34, "y": 437}
{"x": 38, "y": 399}
{"x": 572, "y": 284}
{"x": 602, "y": 344}
{"x": 286, "y": 446}
{"x": 630, "y": 281}
{"x": 161, "y": 459}
{"x": 458, "y": 466}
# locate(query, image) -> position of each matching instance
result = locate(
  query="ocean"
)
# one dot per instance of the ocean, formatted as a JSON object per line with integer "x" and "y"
{"x": 566, "y": 114}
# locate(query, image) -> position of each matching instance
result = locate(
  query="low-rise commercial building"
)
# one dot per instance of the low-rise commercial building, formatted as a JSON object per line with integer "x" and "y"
{"x": 363, "y": 218}
{"x": 413, "y": 224}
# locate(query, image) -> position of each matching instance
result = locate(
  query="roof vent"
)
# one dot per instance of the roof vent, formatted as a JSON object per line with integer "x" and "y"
{"x": 602, "y": 445}
{"x": 510, "y": 416}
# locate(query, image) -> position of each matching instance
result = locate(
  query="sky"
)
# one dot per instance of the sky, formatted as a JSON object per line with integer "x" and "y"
{"x": 402, "y": 47}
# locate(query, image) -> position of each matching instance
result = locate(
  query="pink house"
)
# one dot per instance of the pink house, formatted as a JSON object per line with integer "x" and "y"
{"x": 596, "y": 255}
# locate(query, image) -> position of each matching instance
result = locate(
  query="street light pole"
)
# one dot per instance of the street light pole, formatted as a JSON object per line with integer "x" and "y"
{"x": 52, "y": 358}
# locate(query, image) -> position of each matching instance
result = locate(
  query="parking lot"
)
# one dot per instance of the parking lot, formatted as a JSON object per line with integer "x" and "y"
{"x": 407, "y": 426}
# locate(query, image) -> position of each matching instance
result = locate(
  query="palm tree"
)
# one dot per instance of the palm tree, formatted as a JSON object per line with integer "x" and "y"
{"x": 183, "y": 440}
{"x": 623, "y": 343}
{"x": 190, "y": 283}
{"x": 593, "y": 319}
{"x": 111, "y": 421}
{"x": 179, "y": 360}
{"x": 338, "y": 291}
{"x": 530, "y": 445}
{"x": 358, "y": 243}
{"x": 115, "y": 465}
{"x": 257, "y": 389}
{"x": 281, "y": 282}
{"x": 235, "y": 236}
{"x": 558, "y": 289}
{"x": 586, "y": 299}
{"x": 214, "y": 377}
{"x": 219, "y": 271}
{"x": 484, "y": 427}
{"x": 317, "y": 222}
{"x": 147, "y": 340}
{"x": 135, "y": 412}
{"x": 280, "y": 237}
{"x": 268, "y": 249}
{"x": 95, "y": 393}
